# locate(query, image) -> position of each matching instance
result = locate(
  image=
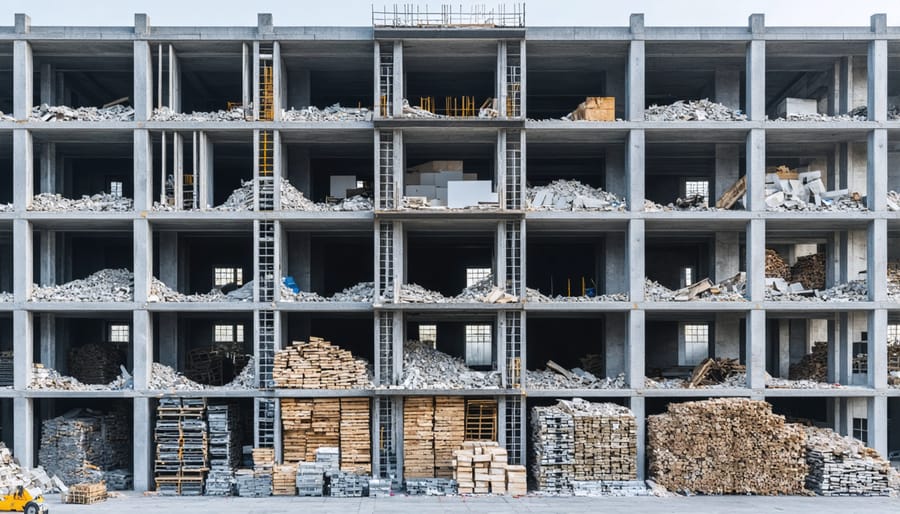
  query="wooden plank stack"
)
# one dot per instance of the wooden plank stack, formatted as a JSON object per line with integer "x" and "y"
{"x": 310, "y": 424}
{"x": 605, "y": 440}
{"x": 449, "y": 432}
{"x": 418, "y": 437}
{"x": 481, "y": 420}
{"x": 553, "y": 443}
{"x": 776, "y": 267}
{"x": 714, "y": 371}
{"x": 813, "y": 366}
{"x": 726, "y": 445}
{"x": 516, "y": 480}
{"x": 480, "y": 468}
{"x": 319, "y": 364}
{"x": 355, "y": 436}
{"x": 809, "y": 270}
{"x": 86, "y": 493}
{"x": 284, "y": 480}
{"x": 843, "y": 466}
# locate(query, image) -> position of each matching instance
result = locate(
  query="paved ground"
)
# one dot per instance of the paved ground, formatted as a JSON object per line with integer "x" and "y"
{"x": 132, "y": 503}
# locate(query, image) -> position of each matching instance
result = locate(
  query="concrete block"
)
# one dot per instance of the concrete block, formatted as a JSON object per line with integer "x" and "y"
{"x": 468, "y": 193}
{"x": 444, "y": 177}
{"x": 470, "y": 176}
{"x": 340, "y": 184}
{"x": 441, "y": 194}
{"x": 797, "y": 106}
{"x": 426, "y": 191}
{"x": 427, "y": 178}
{"x": 774, "y": 200}
{"x": 413, "y": 178}
{"x": 435, "y": 166}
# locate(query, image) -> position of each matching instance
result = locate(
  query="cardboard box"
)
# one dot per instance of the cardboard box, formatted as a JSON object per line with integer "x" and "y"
{"x": 596, "y": 108}
{"x": 797, "y": 106}
{"x": 340, "y": 184}
{"x": 434, "y": 166}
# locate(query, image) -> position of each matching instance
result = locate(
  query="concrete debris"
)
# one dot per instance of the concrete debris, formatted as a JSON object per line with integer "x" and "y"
{"x": 844, "y": 466}
{"x": 81, "y": 444}
{"x": 7, "y": 207}
{"x": 43, "y": 378}
{"x": 331, "y": 113}
{"x": 160, "y": 292}
{"x": 421, "y": 203}
{"x": 693, "y": 110}
{"x": 410, "y": 111}
{"x": 857, "y": 114}
{"x": 572, "y": 195}
{"x": 484, "y": 291}
{"x": 362, "y": 292}
{"x": 694, "y": 204}
{"x": 12, "y": 475}
{"x": 167, "y": 114}
{"x": 737, "y": 380}
{"x": 431, "y": 486}
{"x": 242, "y": 199}
{"x": 853, "y": 291}
{"x": 6, "y": 117}
{"x": 7, "y": 297}
{"x": 614, "y": 488}
{"x": 107, "y": 285}
{"x": 52, "y": 113}
{"x": 165, "y": 378}
{"x": 535, "y": 296}
{"x": 731, "y": 290}
{"x": 578, "y": 379}
{"x": 894, "y": 379}
{"x": 893, "y": 201}
{"x": 427, "y": 368}
{"x": 100, "y": 202}
{"x": 805, "y": 191}
{"x": 783, "y": 383}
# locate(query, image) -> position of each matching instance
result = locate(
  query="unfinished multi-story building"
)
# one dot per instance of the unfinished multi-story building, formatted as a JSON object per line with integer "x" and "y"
{"x": 580, "y": 282}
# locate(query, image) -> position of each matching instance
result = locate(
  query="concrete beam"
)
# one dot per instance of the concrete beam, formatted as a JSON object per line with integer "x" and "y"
{"x": 634, "y": 167}
{"x": 756, "y": 349}
{"x": 23, "y": 79}
{"x": 756, "y": 170}
{"x": 877, "y": 170}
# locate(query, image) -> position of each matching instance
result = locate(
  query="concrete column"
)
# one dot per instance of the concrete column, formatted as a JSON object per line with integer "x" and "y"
{"x": 634, "y": 166}
{"x": 727, "y": 255}
{"x": 399, "y": 259}
{"x": 500, "y": 250}
{"x": 639, "y": 409}
{"x": 399, "y": 166}
{"x": 615, "y": 87}
{"x": 728, "y": 87}
{"x": 727, "y": 169}
{"x": 168, "y": 321}
{"x": 47, "y": 320}
{"x": 143, "y": 259}
{"x": 877, "y": 415}
{"x": 174, "y": 80}
{"x": 24, "y": 447}
{"x": 278, "y": 75}
{"x": 523, "y": 96}
{"x": 756, "y": 170}
{"x": 634, "y": 84}
{"x": 500, "y": 82}
{"x": 635, "y": 258}
{"x": 48, "y": 183}
{"x": 876, "y": 348}
{"x": 246, "y": 76}
{"x": 143, "y": 81}
{"x": 143, "y": 170}
{"x": 48, "y": 83}
{"x": 756, "y": 349}
{"x": 143, "y": 348}
{"x": 254, "y": 73}
{"x": 23, "y": 262}
{"x": 23, "y": 169}
{"x": 756, "y": 259}
{"x": 635, "y": 349}
{"x": 845, "y": 348}
{"x": 399, "y": 88}
{"x": 756, "y": 69}
{"x": 23, "y": 348}
{"x": 205, "y": 173}
{"x": 616, "y": 338}
{"x": 877, "y": 69}
{"x": 784, "y": 348}
{"x": 23, "y": 78}
{"x": 142, "y": 432}
{"x": 876, "y": 260}
{"x": 877, "y": 170}
{"x": 615, "y": 171}
{"x": 398, "y": 340}
{"x": 845, "y": 81}
{"x": 615, "y": 270}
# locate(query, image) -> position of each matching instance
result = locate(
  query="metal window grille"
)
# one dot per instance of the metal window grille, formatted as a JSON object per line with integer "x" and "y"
{"x": 387, "y": 453}
{"x": 513, "y": 192}
{"x": 514, "y": 349}
{"x": 386, "y": 78}
{"x": 119, "y": 332}
{"x": 697, "y": 188}
{"x": 386, "y": 170}
{"x": 224, "y": 276}
{"x": 115, "y": 188}
{"x": 478, "y": 345}
{"x": 386, "y": 347}
{"x": 861, "y": 429}
{"x": 386, "y": 260}
{"x": 513, "y": 257}
{"x": 696, "y": 343}
{"x": 265, "y": 422}
{"x": 515, "y": 448}
{"x": 428, "y": 334}
{"x": 476, "y": 275}
{"x": 265, "y": 272}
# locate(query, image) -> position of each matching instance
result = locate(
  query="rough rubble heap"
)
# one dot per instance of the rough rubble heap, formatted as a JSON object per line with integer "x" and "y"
{"x": 107, "y": 285}
{"x": 726, "y": 445}
{"x": 483, "y": 291}
{"x": 331, "y": 113}
{"x": 843, "y": 466}
{"x": 6, "y": 117}
{"x": 46, "y": 112}
{"x": 694, "y": 110}
{"x": 857, "y": 114}
{"x": 533, "y": 295}
{"x": 100, "y": 202}
{"x": 79, "y": 445}
{"x": 791, "y": 191}
{"x": 577, "y": 379}
{"x": 166, "y": 114}
{"x": 7, "y": 297}
{"x": 656, "y": 292}
{"x": 853, "y": 291}
{"x": 572, "y": 195}
{"x": 163, "y": 378}
{"x": 362, "y": 292}
{"x": 13, "y": 476}
{"x": 241, "y": 199}
{"x": 7, "y": 207}
{"x": 690, "y": 204}
{"x": 427, "y": 368}
{"x": 160, "y": 292}
{"x": 49, "y": 379}
{"x": 893, "y": 201}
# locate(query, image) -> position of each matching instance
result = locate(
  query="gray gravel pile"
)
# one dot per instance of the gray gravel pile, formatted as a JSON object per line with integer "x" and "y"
{"x": 693, "y": 110}
{"x": 331, "y": 113}
{"x": 160, "y": 292}
{"x": 163, "y": 378}
{"x": 857, "y": 114}
{"x": 107, "y": 285}
{"x": 427, "y": 368}
{"x": 548, "y": 379}
{"x": 49, "y": 379}
{"x": 572, "y": 195}
{"x": 361, "y": 292}
{"x": 535, "y": 296}
{"x": 853, "y": 291}
{"x": 166, "y": 114}
{"x": 100, "y": 202}
{"x": 52, "y": 113}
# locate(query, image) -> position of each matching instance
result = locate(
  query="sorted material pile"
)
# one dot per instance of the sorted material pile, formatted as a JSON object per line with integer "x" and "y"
{"x": 331, "y": 113}
{"x": 292, "y": 199}
{"x": 857, "y": 114}
{"x": 362, "y": 292}
{"x": 12, "y": 475}
{"x": 86, "y": 493}
{"x": 100, "y": 202}
{"x": 726, "y": 446}
{"x": 311, "y": 424}
{"x": 791, "y": 191}
{"x": 49, "y": 379}
{"x": 430, "y": 486}
{"x": 342, "y": 484}
{"x": 310, "y": 479}
{"x": 853, "y": 291}
{"x": 96, "y": 363}
{"x": 6, "y": 297}
{"x": 480, "y": 468}
{"x": 432, "y": 429}
{"x": 164, "y": 378}
{"x": 46, "y": 112}
{"x": 691, "y": 203}
{"x": 284, "y": 480}
{"x": 319, "y": 364}
{"x": 843, "y": 466}
{"x": 535, "y": 296}
{"x": 427, "y": 368}
{"x": 557, "y": 377}
{"x": 776, "y": 267}
{"x": 224, "y": 449}
{"x": 107, "y": 285}
{"x": 715, "y": 371}
{"x": 79, "y": 445}
{"x": 483, "y": 291}
{"x": 250, "y": 484}
{"x": 813, "y": 366}
{"x": 693, "y": 110}
{"x": 572, "y": 195}
{"x": 553, "y": 437}
{"x": 167, "y": 114}
{"x": 809, "y": 270}
{"x": 731, "y": 290}
{"x": 181, "y": 446}
{"x": 160, "y": 292}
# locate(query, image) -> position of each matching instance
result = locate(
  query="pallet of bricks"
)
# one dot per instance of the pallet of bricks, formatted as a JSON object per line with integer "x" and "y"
{"x": 843, "y": 466}
{"x": 309, "y": 424}
{"x": 224, "y": 449}
{"x": 257, "y": 482}
{"x": 86, "y": 494}
{"x": 181, "y": 446}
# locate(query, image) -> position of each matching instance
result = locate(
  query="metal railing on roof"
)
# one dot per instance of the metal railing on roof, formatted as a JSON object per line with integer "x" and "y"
{"x": 476, "y": 16}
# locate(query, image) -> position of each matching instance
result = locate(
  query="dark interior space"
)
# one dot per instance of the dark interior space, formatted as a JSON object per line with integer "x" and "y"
{"x": 893, "y": 428}
{"x": 893, "y": 85}
{"x": 322, "y": 73}
{"x": 310, "y": 165}
{"x": 6, "y": 78}
{"x": 478, "y": 352}
{"x": 797, "y": 331}
{"x": 211, "y": 74}
{"x": 6, "y": 260}
{"x": 329, "y": 262}
{"x": 200, "y": 253}
{"x": 588, "y": 164}
{"x": 6, "y": 333}
{"x": 676, "y": 170}
{"x": 6, "y": 169}
{"x": 667, "y": 350}
{"x": 449, "y": 68}
{"x": 692, "y": 71}
{"x": 802, "y": 410}
{"x": 86, "y": 168}
{"x": 211, "y": 348}
{"x": 438, "y": 261}
{"x": 582, "y": 335}
{"x": 7, "y": 423}
{"x": 89, "y": 74}
{"x": 79, "y": 254}
{"x": 808, "y": 70}
{"x": 353, "y": 332}
{"x": 79, "y": 337}
{"x": 563, "y": 264}
{"x": 667, "y": 257}
{"x": 478, "y": 158}
{"x": 561, "y": 74}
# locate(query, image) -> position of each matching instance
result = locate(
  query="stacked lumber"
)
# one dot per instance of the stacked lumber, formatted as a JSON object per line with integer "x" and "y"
{"x": 95, "y": 363}
{"x": 776, "y": 267}
{"x": 86, "y": 493}
{"x": 714, "y": 371}
{"x": 296, "y": 422}
{"x": 311, "y": 424}
{"x": 418, "y": 437}
{"x": 355, "y": 438}
{"x": 605, "y": 436}
{"x": 843, "y": 466}
{"x": 809, "y": 270}
{"x": 318, "y": 364}
{"x": 726, "y": 445}
{"x": 181, "y": 446}
{"x": 553, "y": 443}
{"x": 284, "y": 480}
{"x": 480, "y": 468}
{"x": 263, "y": 459}
{"x": 813, "y": 366}
{"x": 516, "y": 480}
{"x": 449, "y": 432}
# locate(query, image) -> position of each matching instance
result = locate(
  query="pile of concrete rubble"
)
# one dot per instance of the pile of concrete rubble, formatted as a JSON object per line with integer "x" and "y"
{"x": 331, "y": 113}
{"x": 483, "y": 291}
{"x": 557, "y": 377}
{"x": 167, "y": 114}
{"x": 738, "y": 380}
{"x": 780, "y": 290}
{"x": 535, "y": 296}
{"x": 362, "y": 292}
{"x": 857, "y": 114}
{"x": 785, "y": 383}
{"x": 100, "y": 202}
{"x": 844, "y": 466}
{"x": 160, "y": 292}
{"x": 163, "y": 378}
{"x": 691, "y": 203}
{"x": 422, "y": 203}
{"x": 731, "y": 290}
{"x": 107, "y": 285}
{"x": 43, "y": 378}
{"x": 242, "y": 199}
{"x": 427, "y": 368}
{"x": 411, "y": 111}
{"x": 6, "y": 117}
{"x": 46, "y": 112}
{"x": 7, "y": 297}
{"x": 12, "y": 475}
{"x": 572, "y": 195}
{"x": 693, "y": 110}
{"x": 893, "y": 201}
{"x": 807, "y": 193}
{"x": 7, "y": 207}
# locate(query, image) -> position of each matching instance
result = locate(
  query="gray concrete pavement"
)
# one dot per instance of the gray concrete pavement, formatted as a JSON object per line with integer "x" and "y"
{"x": 133, "y": 503}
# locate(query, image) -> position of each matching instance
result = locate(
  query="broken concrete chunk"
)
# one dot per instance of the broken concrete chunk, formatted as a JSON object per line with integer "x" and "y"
{"x": 101, "y": 202}
{"x": 572, "y": 195}
{"x": 693, "y": 110}
{"x": 48, "y": 113}
{"x": 108, "y": 285}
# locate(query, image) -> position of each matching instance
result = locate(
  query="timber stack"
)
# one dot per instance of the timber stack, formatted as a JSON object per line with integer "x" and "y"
{"x": 319, "y": 364}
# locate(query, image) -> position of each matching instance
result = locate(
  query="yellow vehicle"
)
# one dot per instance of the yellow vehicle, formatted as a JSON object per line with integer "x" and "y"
{"x": 29, "y": 501}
